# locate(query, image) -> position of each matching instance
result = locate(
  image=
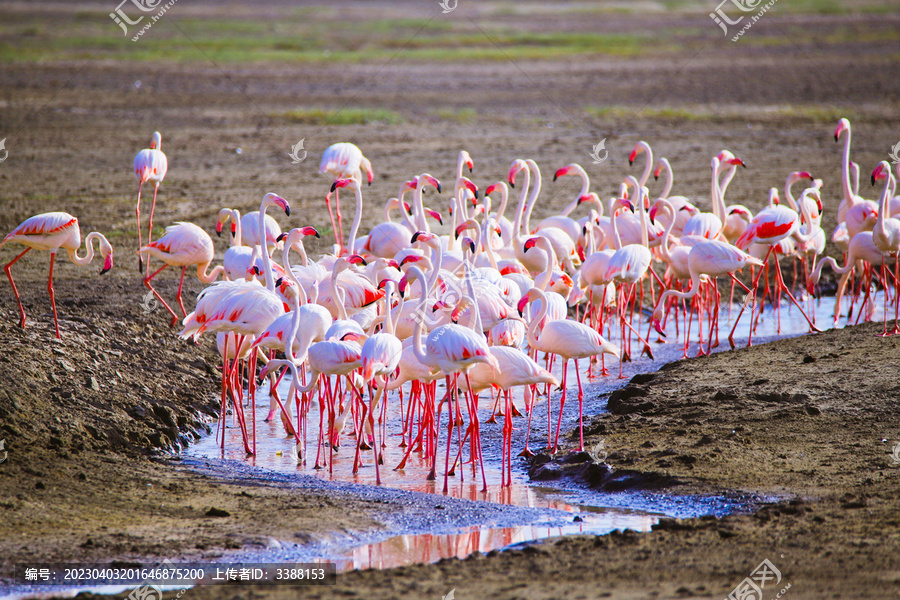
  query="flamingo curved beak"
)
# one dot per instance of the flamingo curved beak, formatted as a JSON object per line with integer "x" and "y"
{"x": 560, "y": 172}
{"x": 309, "y": 230}
{"x": 632, "y": 156}
{"x": 490, "y": 189}
{"x": 107, "y": 263}
{"x": 219, "y": 229}
{"x": 658, "y": 327}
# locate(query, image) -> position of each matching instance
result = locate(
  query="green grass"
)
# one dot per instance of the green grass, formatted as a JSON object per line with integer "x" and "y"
{"x": 345, "y": 116}
{"x": 459, "y": 115}
{"x": 812, "y": 113}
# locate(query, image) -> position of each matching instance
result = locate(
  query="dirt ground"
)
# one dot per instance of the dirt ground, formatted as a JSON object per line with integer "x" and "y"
{"x": 808, "y": 422}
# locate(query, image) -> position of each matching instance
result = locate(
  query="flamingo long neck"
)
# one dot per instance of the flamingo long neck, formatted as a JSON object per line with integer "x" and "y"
{"x": 504, "y": 200}
{"x": 89, "y": 246}
{"x": 664, "y": 246}
{"x": 723, "y": 186}
{"x": 788, "y": 184}
{"x": 639, "y": 202}
{"x": 389, "y": 325}
{"x": 357, "y": 218}
{"x": 407, "y": 221}
{"x": 437, "y": 265}
{"x": 533, "y": 340}
{"x": 617, "y": 241}
{"x": 670, "y": 178}
{"x": 419, "y": 205}
{"x": 520, "y": 208}
{"x": 267, "y": 264}
{"x": 417, "y": 346}
{"x": 337, "y": 292}
{"x": 390, "y": 206}
{"x": 475, "y": 322}
{"x": 880, "y": 230}
{"x": 209, "y": 277}
{"x": 807, "y": 217}
{"x": 649, "y": 165}
{"x": 487, "y": 245}
{"x": 845, "y": 170}
{"x": 238, "y": 239}
{"x": 286, "y": 261}
{"x": 715, "y": 193}
{"x": 545, "y": 277}
{"x": 585, "y": 185}
{"x": 535, "y": 191}
{"x": 851, "y": 261}
{"x": 696, "y": 280}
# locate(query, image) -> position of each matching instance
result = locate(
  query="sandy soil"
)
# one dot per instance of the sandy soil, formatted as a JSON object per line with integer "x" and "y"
{"x": 808, "y": 422}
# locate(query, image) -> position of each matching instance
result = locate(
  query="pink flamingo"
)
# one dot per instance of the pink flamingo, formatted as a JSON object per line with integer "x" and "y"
{"x": 150, "y": 164}
{"x": 886, "y": 236}
{"x": 183, "y": 245}
{"x": 52, "y": 231}
{"x": 568, "y": 340}
{"x": 707, "y": 260}
{"x": 343, "y": 161}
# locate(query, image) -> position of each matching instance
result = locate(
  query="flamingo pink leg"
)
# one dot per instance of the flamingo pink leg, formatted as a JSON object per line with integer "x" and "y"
{"x": 150, "y": 227}
{"x": 8, "y": 269}
{"x": 53, "y": 293}
{"x": 137, "y": 213}
{"x": 155, "y": 293}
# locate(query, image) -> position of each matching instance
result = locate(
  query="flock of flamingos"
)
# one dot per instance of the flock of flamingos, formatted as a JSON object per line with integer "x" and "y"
{"x": 352, "y": 324}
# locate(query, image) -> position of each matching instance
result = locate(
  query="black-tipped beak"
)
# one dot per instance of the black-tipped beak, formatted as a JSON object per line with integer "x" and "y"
{"x": 102, "y": 271}
{"x": 415, "y": 237}
{"x": 873, "y": 180}
{"x": 287, "y": 211}
{"x": 333, "y": 187}
{"x": 630, "y": 162}
{"x": 655, "y": 177}
{"x": 554, "y": 177}
{"x": 279, "y": 281}
{"x": 280, "y": 237}
{"x": 835, "y": 137}
{"x": 219, "y": 232}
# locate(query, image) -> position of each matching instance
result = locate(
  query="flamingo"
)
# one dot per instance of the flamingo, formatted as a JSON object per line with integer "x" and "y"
{"x": 708, "y": 260}
{"x": 568, "y": 340}
{"x": 238, "y": 258}
{"x": 886, "y": 236}
{"x": 150, "y": 164}
{"x": 182, "y": 245}
{"x": 343, "y": 161}
{"x": 52, "y": 231}
{"x": 452, "y": 349}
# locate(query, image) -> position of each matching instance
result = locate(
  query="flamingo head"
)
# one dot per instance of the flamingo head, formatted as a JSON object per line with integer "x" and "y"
{"x": 370, "y": 175}
{"x": 774, "y": 198}
{"x": 589, "y": 197}
{"x": 356, "y": 259}
{"x": 842, "y": 125}
{"x": 516, "y": 166}
{"x": 881, "y": 171}
{"x": 655, "y": 320}
{"x": 425, "y": 237}
{"x": 411, "y": 258}
{"x": 736, "y": 161}
{"x": 156, "y": 141}
{"x": 637, "y": 150}
{"x": 345, "y": 183}
{"x": 271, "y": 199}
{"x": 561, "y": 172}
{"x": 221, "y": 218}
{"x": 106, "y": 251}
{"x": 465, "y": 182}
{"x": 434, "y": 215}
{"x": 407, "y": 208}
{"x": 469, "y": 243}
{"x": 658, "y": 170}
{"x": 531, "y": 243}
{"x": 353, "y": 336}
{"x": 623, "y": 203}
{"x": 522, "y": 303}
